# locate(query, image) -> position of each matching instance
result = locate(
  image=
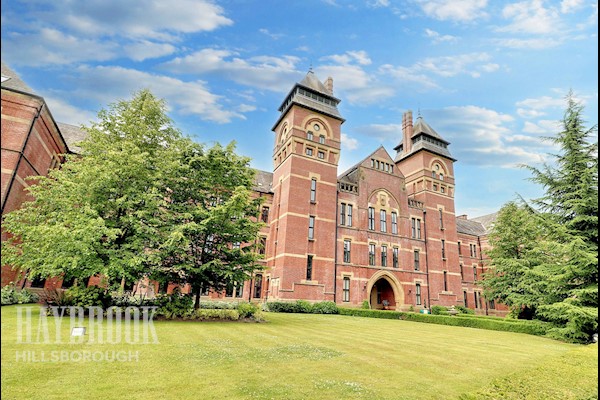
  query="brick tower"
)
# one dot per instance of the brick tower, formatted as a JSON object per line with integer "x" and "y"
{"x": 424, "y": 159}
{"x": 301, "y": 250}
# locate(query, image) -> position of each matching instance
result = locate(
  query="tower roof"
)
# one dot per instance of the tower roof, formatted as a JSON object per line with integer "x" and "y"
{"x": 422, "y": 127}
{"x": 311, "y": 93}
{"x": 424, "y": 137}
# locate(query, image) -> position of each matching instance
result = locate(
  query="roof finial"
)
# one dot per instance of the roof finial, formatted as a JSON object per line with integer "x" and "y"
{"x": 419, "y": 112}
{"x": 310, "y": 69}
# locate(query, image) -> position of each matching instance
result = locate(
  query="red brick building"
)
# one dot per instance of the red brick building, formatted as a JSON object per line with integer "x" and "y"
{"x": 383, "y": 232}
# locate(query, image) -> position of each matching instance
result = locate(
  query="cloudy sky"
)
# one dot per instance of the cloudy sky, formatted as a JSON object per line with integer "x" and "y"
{"x": 489, "y": 76}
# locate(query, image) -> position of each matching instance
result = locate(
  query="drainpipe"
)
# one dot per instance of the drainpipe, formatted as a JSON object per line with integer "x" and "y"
{"x": 481, "y": 261}
{"x": 335, "y": 246}
{"x": 426, "y": 258}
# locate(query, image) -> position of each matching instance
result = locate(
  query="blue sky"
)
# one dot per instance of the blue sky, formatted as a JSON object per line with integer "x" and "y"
{"x": 489, "y": 76}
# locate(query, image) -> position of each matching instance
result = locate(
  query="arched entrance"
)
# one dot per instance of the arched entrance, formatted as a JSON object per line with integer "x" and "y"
{"x": 385, "y": 292}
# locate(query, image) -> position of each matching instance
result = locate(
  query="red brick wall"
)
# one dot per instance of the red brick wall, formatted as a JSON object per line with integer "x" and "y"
{"x": 30, "y": 141}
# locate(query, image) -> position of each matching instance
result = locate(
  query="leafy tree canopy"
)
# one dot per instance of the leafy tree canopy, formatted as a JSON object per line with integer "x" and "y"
{"x": 138, "y": 189}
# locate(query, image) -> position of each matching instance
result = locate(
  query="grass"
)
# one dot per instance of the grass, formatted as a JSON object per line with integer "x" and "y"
{"x": 306, "y": 356}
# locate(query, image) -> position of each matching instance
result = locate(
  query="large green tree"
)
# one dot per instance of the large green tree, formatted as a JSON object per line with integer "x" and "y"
{"x": 122, "y": 207}
{"x": 98, "y": 213}
{"x": 214, "y": 221}
{"x": 544, "y": 260}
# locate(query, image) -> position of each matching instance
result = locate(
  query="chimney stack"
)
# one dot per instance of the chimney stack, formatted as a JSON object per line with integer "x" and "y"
{"x": 329, "y": 85}
{"x": 407, "y": 130}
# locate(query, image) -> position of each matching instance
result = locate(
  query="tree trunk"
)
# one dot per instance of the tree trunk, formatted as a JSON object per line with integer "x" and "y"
{"x": 198, "y": 293}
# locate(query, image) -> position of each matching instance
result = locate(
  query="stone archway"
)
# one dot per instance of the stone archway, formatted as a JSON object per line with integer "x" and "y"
{"x": 385, "y": 291}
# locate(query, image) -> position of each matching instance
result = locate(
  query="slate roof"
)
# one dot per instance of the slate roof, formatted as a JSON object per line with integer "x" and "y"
{"x": 423, "y": 130}
{"x": 14, "y": 81}
{"x": 487, "y": 221}
{"x": 314, "y": 97}
{"x": 469, "y": 227}
{"x": 263, "y": 181}
{"x": 72, "y": 135}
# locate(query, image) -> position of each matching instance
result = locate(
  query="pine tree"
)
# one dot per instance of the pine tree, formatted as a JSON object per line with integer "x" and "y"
{"x": 545, "y": 256}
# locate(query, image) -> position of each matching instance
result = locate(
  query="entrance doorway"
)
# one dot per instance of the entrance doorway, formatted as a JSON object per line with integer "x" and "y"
{"x": 382, "y": 295}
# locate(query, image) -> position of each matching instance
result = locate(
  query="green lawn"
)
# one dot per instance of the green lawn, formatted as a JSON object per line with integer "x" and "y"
{"x": 300, "y": 356}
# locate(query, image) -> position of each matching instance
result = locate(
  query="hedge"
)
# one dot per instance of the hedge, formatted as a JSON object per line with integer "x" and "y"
{"x": 303, "y": 306}
{"x": 537, "y": 328}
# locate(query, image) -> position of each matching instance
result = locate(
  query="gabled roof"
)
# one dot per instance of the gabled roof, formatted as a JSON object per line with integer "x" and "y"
{"x": 11, "y": 80}
{"x": 350, "y": 176}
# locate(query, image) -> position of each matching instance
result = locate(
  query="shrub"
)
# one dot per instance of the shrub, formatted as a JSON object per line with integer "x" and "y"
{"x": 57, "y": 298}
{"x": 304, "y": 306}
{"x": 366, "y": 305}
{"x": 218, "y": 305}
{"x": 282, "y": 306}
{"x": 325, "y": 307}
{"x": 465, "y": 310}
{"x": 91, "y": 296}
{"x": 174, "y": 305}
{"x": 216, "y": 314}
{"x": 439, "y": 310}
{"x": 25, "y": 296}
{"x": 246, "y": 310}
{"x": 360, "y": 312}
{"x": 9, "y": 295}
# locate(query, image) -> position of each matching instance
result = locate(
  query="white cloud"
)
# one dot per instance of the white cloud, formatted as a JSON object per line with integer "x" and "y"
{"x": 537, "y": 107}
{"x": 544, "y": 127}
{"x": 378, "y": 3}
{"x": 409, "y": 76}
{"x": 67, "y": 113}
{"x": 569, "y": 6}
{"x": 453, "y": 65}
{"x": 357, "y": 85}
{"x": 148, "y": 19}
{"x": 421, "y": 73}
{"x": 454, "y": 10}
{"x": 145, "y": 49}
{"x": 348, "y": 143}
{"x": 531, "y": 17}
{"x": 64, "y": 31}
{"x": 51, "y": 46}
{"x": 438, "y": 38}
{"x": 485, "y": 137}
{"x": 274, "y": 36}
{"x": 265, "y": 72}
{"x": 183, "y": 97}
{"x": 360, "y": 57}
